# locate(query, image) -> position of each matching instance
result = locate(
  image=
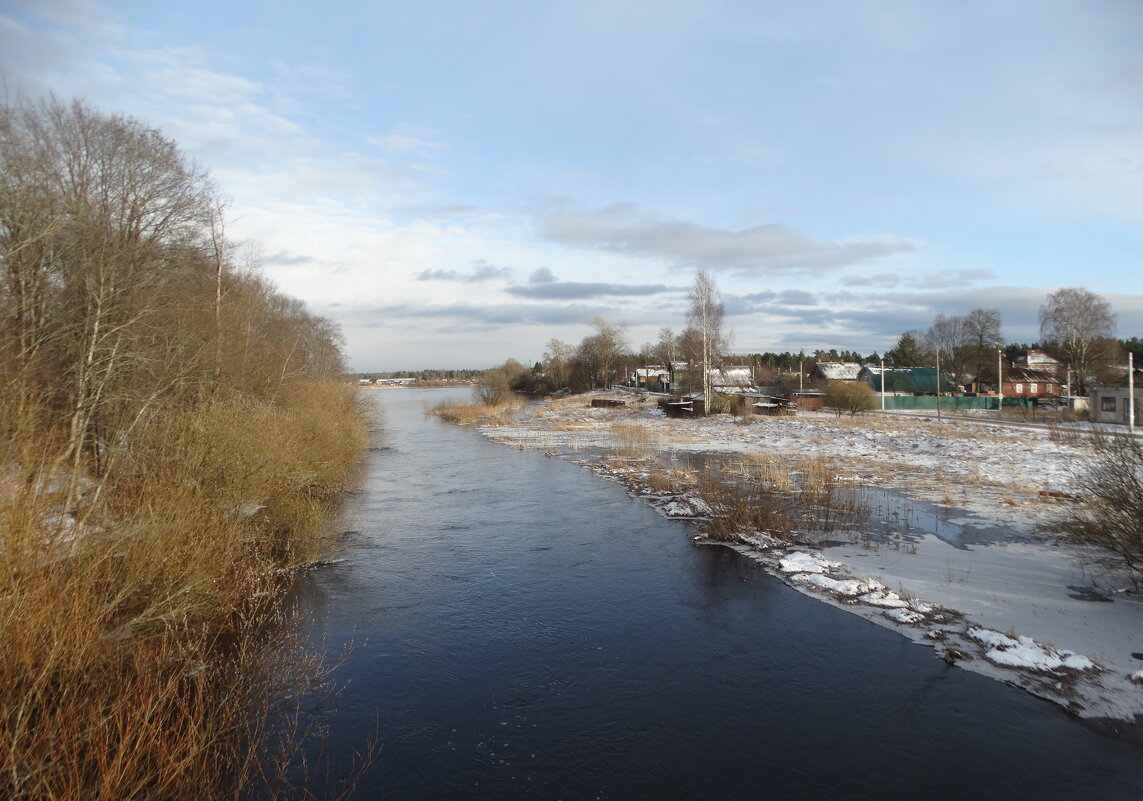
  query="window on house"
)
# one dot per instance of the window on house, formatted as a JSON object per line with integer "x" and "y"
{"x": 1019, "y": 389}
{"x": 1033, "y": 389}
{"x": 1107, "y": 404}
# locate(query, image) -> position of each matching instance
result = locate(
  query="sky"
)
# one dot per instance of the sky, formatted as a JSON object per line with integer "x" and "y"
{"x": 457, "y": 183}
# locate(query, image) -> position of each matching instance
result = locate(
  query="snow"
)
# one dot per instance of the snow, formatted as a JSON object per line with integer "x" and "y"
{"x": 802, "y": 562}
{"x": 1025, "y": 652}
{"x": 975, "y": 554}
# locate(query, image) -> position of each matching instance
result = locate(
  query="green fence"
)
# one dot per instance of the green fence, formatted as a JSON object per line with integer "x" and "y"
{"x": 951, "y": 403}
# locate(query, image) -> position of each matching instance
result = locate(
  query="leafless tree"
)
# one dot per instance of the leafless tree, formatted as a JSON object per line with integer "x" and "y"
{"x": 665, "y": 348}
{"x": 982, "y": 335}
{"x": 705, "y": 318}
{"x": 558, "y": 361}
{"x": 947, "y": 337}
{"x": 601, "y": 351}
{"x": 1077, "y": 325}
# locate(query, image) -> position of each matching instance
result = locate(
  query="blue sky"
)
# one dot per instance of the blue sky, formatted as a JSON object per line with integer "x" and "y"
{"x": 456, "y": 183}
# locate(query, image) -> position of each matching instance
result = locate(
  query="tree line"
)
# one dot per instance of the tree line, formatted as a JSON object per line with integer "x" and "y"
{"x": 173, "y": 432}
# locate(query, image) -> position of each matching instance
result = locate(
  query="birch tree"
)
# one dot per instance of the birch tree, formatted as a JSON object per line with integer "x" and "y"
{"x": 706, "y": 315}
{"x": 1078, "y": 325}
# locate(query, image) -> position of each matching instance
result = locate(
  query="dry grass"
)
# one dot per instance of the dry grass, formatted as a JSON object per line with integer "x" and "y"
{"x": 148, "y": 653}
{"x": 633, "y": 441}
{"x": 465, "y": 414}
{"x": 1069, "y": 435}
{"x": 664, "y": 480}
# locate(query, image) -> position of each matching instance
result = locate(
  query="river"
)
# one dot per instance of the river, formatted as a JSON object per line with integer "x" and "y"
{"x": 525, "y": 629}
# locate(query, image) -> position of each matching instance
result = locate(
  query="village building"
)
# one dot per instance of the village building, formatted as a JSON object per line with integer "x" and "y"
{"x": 1022, "y": 382}
{"x": 1036, "y": 359}
{"x": 1112, "y": 404}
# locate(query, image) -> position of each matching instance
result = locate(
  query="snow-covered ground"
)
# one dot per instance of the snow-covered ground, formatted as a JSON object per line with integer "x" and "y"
{"x": 976, "y": 571}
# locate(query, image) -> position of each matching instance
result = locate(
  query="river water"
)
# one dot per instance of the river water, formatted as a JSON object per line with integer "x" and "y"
{"x": 525, "y": 630}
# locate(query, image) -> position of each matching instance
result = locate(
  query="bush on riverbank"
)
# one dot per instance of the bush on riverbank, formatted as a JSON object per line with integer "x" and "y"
{"x": 1110, "y": 512}
{"x": 173, "y": 437}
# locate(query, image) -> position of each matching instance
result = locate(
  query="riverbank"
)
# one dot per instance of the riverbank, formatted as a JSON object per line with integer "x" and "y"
{"x": 957, "y": 551}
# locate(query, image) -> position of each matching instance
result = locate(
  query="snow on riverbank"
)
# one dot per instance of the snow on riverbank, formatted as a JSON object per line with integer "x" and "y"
{"x": 976, "y": 575}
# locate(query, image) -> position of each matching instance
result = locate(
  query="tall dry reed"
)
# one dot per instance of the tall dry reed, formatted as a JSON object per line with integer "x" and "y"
{"x": 147, "y": 650}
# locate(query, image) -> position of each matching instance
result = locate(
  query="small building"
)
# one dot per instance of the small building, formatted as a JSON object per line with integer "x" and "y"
{"x": 1023, "y": 382}
{"x": 653, "y": 379}
{"x": 808, "y": 400}
{"x": 773, "y": 406}
{"x": 1112, "y": 404}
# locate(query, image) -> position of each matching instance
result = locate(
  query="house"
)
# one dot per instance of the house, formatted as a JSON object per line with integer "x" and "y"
{"x": 906, "y": 380}
{"x": 1110, "y": 404}
{"x": 654, "y": 379}
{"x": 773, "y": 406}
{"x": 731, "y": 378}
{"x": 1022, "y": 382}
{"x": 837, "y": 371}
{"x": 808, "y": 400}
{"x": 1039, "y": 360}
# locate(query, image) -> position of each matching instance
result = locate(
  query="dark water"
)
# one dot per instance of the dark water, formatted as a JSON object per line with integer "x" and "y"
{"x": 532, "y": 632}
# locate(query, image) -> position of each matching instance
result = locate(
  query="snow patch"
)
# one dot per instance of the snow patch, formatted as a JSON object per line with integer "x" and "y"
{"x": 1024, "y": 652}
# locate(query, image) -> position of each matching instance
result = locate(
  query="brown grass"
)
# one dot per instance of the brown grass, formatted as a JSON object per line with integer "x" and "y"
{"x": 465, "y": 414}
{"x": 147, "y": 651}
{"x": 633, "y": 441}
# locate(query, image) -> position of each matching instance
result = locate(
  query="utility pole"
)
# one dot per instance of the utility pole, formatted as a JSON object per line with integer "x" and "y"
{"x": 1000, "y": 383}
{"x": 883, "y": 386}
{"x": 938, "y": 383}
{"x": 1130, "y": 392}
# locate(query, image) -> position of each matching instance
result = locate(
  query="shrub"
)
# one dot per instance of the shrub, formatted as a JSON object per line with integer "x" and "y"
{"x": 849, "y": 396}
{"x": 1110, "y": 514}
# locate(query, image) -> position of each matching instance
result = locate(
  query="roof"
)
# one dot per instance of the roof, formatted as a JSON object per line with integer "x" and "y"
{"x": 1028, "y": 375}
{"x": 731, "y": 377}
{"x": 1038, "y": 357}
{"x": 920, "y": 380}
{"x": 838, "y": 371}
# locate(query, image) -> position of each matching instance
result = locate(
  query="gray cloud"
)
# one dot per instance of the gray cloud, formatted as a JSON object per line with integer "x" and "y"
{"x": 575, "y": 290}
{"x": 629, "y": 230}
{"x": 483, "y": 272}
{"x": 287, "y": 259}
{"x": 472, "y": 316}
{"x": 878, "y": 280}
{"x": 787, "y": 297}
{"x": 953, "y": 278}
{"x": 541, "y": 276}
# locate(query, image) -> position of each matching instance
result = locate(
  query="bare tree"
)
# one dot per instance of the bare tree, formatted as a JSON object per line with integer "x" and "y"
{"x": 558, "y": 361}
{"x": 1077, "y": 325}
{"x": 982, "y": 335}
{"x": 666, "y": 347}
{"x": 947, "y": 337}
{"x": 601, "y": 351}
{"x": 706, "y": 315}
